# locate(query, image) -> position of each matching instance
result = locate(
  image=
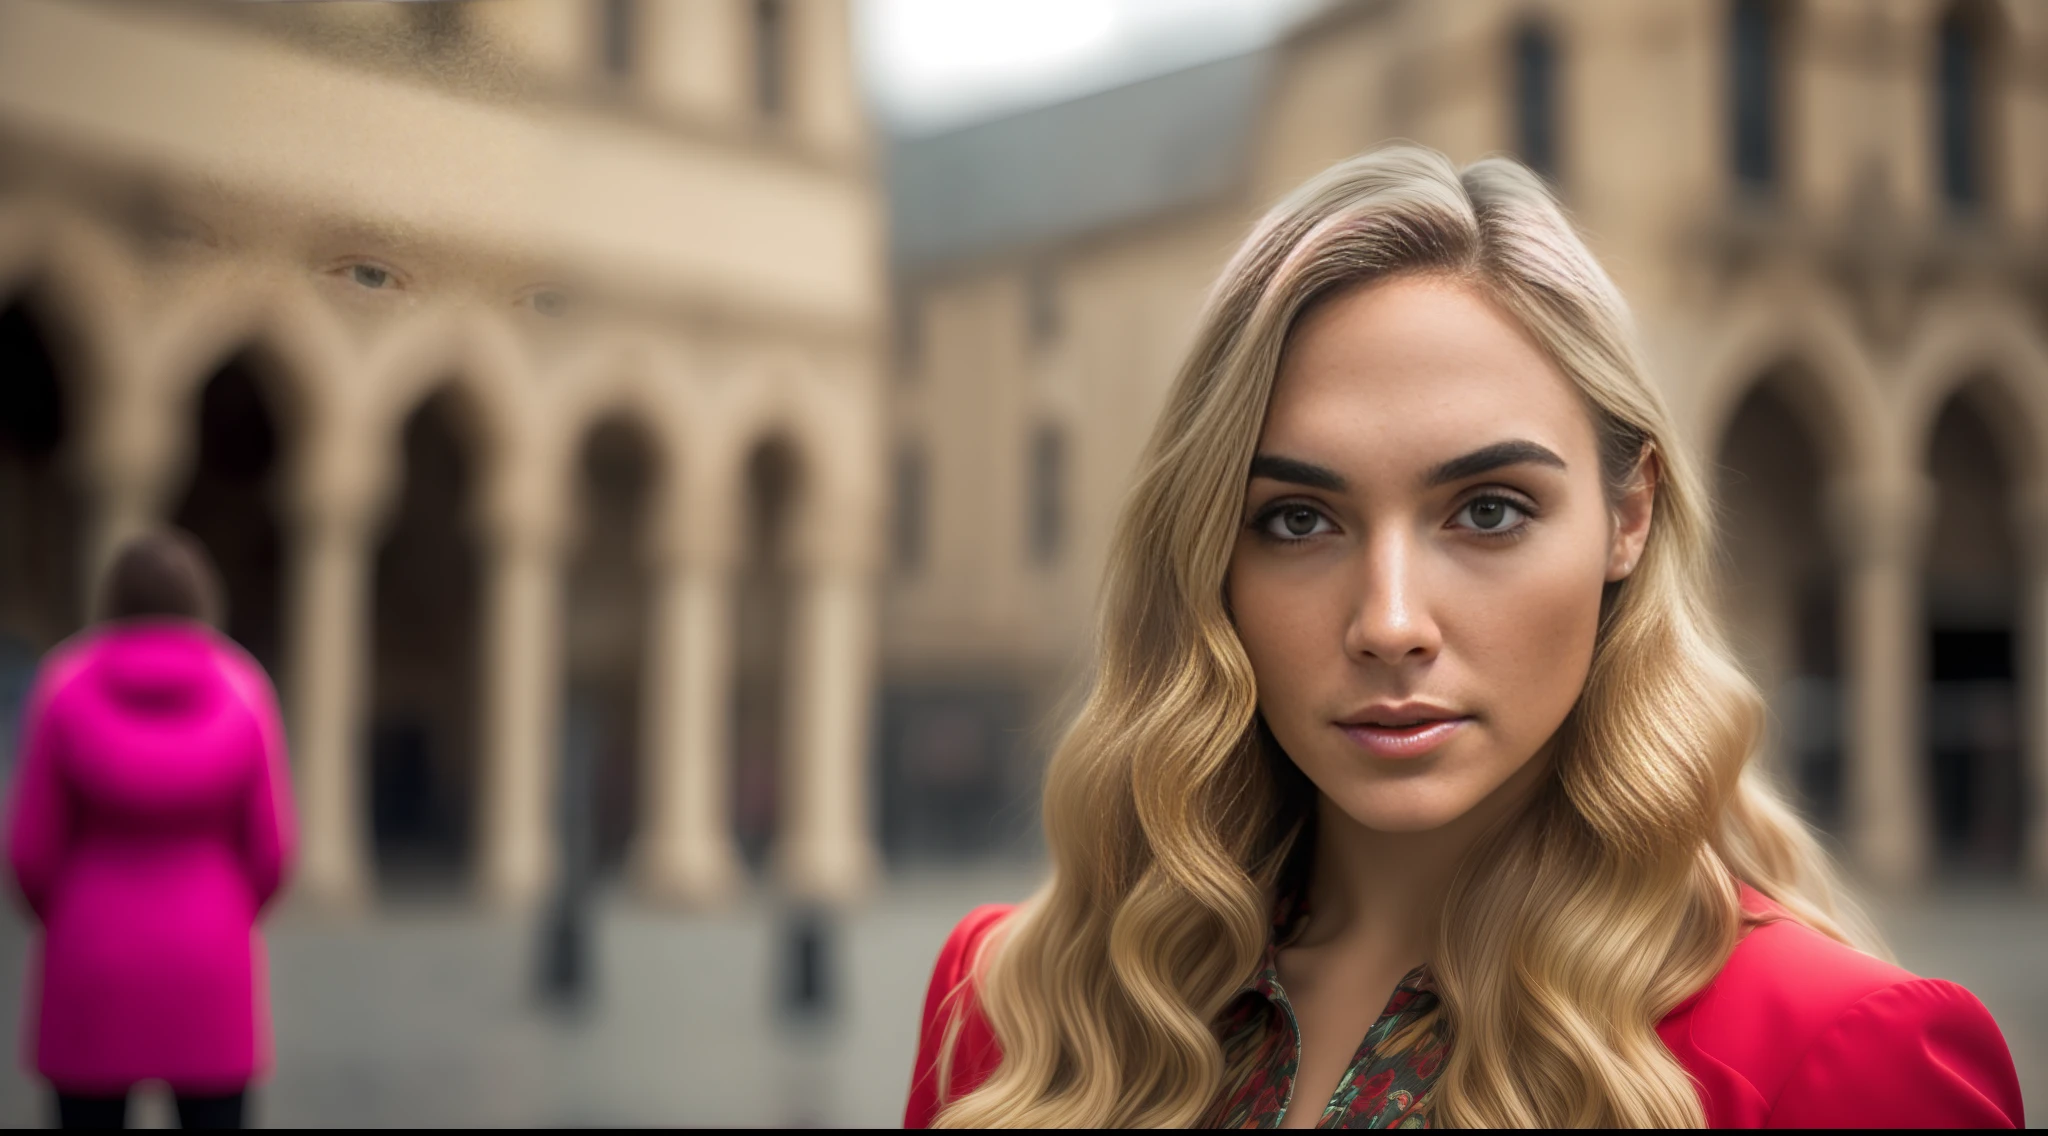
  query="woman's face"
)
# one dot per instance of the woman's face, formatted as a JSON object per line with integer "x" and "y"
{"x": 1425, "y": 541}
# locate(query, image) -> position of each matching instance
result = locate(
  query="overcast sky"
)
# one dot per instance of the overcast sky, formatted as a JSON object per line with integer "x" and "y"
{"x": 934, "y": 64}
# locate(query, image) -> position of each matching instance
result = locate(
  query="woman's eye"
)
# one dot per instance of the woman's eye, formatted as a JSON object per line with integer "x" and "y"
{"x": 1492, "y": 515}
{"x": 553, "y": 303}
{"x": 369, "y": 275}
{"x": 1295, "y": 522}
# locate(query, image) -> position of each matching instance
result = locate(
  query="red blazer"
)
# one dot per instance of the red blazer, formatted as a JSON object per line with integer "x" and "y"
{"x": 1796, "y": 1031}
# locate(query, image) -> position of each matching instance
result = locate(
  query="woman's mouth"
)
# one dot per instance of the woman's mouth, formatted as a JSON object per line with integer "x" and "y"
{"x": 1402, "y": 735}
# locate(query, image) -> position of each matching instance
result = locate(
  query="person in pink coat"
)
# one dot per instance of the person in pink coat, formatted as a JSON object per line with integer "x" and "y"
{"x": 150, "y": 823}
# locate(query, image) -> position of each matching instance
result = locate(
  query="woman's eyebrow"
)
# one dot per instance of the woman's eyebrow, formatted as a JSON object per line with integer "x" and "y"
{"x": 1489, "y": 458}
{"x": 1294, "y": 471}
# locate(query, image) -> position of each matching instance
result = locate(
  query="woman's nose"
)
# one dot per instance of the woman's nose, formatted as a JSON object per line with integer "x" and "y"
{"x": 1392, "y": 620}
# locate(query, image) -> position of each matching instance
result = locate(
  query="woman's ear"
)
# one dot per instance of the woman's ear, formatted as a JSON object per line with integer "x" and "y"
{"x": 1632, "y": 518}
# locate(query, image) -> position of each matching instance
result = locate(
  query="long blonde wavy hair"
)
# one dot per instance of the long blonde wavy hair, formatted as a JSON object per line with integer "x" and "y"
{"x": 1575, "y": 925}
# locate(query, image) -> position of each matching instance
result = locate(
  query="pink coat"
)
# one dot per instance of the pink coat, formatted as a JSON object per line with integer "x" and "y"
{"x": 151, "y": 820}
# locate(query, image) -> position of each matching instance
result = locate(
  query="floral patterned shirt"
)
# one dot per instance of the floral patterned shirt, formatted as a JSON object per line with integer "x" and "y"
{"x": 1387, "y": 1084}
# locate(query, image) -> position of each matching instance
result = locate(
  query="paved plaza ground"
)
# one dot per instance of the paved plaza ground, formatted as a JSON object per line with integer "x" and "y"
{"x": 425, "y": 1014}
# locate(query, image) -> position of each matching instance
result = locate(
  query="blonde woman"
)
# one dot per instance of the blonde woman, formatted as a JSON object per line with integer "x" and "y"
{"x": 1413, "y": 787}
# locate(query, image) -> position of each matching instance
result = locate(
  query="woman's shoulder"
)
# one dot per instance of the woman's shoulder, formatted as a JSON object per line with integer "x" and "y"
{"x": 1798, "y": 1028}
{"x": 950, "y": 996}
{"x": 60, "y": 669}
{"x": 957, "y": 955}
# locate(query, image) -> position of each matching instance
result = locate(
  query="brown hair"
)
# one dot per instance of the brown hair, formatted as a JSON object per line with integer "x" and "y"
{"x": 163, "y": 574}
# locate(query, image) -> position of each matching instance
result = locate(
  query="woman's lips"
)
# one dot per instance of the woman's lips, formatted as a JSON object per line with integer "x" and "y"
{"x": 1403, "y": 741}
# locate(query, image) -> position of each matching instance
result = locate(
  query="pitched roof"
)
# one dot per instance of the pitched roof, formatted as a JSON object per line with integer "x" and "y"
{"x": 1064, "y": 170}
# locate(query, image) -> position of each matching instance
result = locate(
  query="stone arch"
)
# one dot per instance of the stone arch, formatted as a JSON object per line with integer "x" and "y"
{"x": 294, "y": 347}
{"x": 78, "y": 280}
{"x": 642, "y": 387}
{"x": 1809, "y": 344}
{"x": 1993, "y": 347}
{"x": 478, "y": 362}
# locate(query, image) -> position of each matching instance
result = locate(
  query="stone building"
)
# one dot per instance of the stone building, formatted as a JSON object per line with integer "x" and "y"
{"x": 1830, "y": 216}
{"x": 520, "y": 364}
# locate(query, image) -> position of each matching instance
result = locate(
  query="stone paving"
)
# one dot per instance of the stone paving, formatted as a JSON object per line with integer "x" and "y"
{"x": 426, "y": 1016}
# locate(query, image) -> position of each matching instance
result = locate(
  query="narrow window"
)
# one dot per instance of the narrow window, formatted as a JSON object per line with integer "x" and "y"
{"x": 771, "y": 63}
{"x": 1536, "y": 110}
{"x": 1959, "y": 115}
{"x": 615, "y": 38}
{"x": 1753, "y": 75}
{"x": 1048, "y": 495}
{"x": 909, "y": 336}
{"x": 907, "y": 525}
{"x": 1042, "y": 307}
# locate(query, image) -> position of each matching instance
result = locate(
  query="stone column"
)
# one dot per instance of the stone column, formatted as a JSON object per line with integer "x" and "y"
{"x": 1879, "y": 527}
{"x": 826, "y": 849}
{"x": 327, "y": 640}
{"x": 128, "y": 462}
{"x": 686, "y": 855}
{"x": 2030, "y": 521}
{"x": 522, "y": 694}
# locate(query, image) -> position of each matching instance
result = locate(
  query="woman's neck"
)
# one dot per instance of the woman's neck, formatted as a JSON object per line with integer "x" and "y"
{"x": 1383, "y": 893}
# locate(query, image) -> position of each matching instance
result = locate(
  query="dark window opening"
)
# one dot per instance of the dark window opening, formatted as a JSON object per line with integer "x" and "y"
{"x": 771, "y": 62}
{"x": 958, "y": 776}
{"x": 1536, "y": 109}
{"x": 1042, "y": 307}
{"x": 1960, "y": 111}
{"x": 1754, "y": 51}
{"x": 907, "y": 536}
{"x": 1048, "y": 504}
{"x": 615, "y": 37}
{"x": 1973, "y": 739}
{"x": 909, "y": 336}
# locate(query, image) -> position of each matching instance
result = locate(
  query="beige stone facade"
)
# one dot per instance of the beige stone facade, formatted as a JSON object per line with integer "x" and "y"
{"x": 1830, "y": 216}
{"x": 521, "y": 364}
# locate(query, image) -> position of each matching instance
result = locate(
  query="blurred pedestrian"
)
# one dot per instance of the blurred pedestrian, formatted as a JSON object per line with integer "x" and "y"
{"x": 149, "y": 824}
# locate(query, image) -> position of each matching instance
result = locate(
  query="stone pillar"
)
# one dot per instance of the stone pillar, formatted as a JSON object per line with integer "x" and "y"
{"x": 825, "y": 848}
{"x": 128, "y": 462}
{"x": 686, "y": 855}
{"x": 327, "y": 640}
{"x": 2030, "y": 521}
{"x": 522, "y": 695}
{"x": 1879, "y": 527}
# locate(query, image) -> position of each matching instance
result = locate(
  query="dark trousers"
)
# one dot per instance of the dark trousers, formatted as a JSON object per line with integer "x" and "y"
{"x": 78, "y": 1111}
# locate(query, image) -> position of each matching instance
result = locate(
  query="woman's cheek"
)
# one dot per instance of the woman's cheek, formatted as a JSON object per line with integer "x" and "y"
{"x": 1542, "y": 648}
{"x": 1279, "y": 628}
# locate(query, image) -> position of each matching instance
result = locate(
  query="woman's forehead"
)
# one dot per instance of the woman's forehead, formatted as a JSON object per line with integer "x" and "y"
{"x": 1413, "y": 372}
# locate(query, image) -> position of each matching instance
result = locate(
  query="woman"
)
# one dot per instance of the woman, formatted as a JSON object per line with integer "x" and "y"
{"x": 1414, "y": 785}
{"x": 151, "y": 821}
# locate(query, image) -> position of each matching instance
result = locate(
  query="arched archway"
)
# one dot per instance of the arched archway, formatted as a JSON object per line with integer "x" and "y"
{"x": 40, "y": 597}
{"x": 1974, "y": 732}
{"x": 1778, "y": 584}
{"x": 424, "y": 693}
{"x": 607, "y": 613}
{"x": 230, "y": 503}
{"x": 762, "y": 677}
